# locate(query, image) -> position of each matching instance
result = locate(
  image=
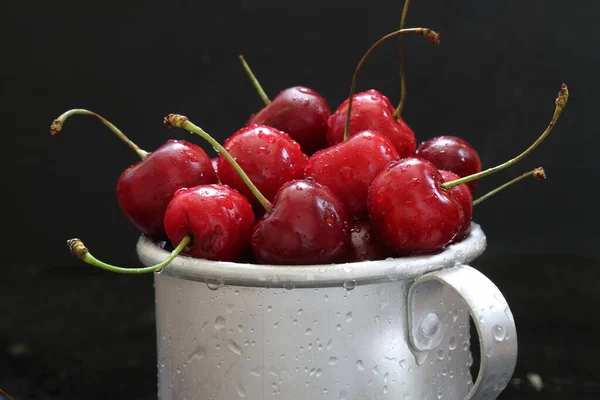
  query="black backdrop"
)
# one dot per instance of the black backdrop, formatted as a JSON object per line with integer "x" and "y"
{"x": 493, "y": 81}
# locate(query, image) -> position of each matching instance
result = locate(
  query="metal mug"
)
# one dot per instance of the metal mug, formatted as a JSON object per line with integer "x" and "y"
{"x": 389, "y": 329}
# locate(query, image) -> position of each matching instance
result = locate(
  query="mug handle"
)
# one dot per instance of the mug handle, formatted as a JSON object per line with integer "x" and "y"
{"x": 490, "y": 313}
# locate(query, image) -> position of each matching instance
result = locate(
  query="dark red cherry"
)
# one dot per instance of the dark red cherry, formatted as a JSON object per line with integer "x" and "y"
{"x": 268, "y": 156}
{"x": 348, "y": 168}
{"x": 452, "y": 153}
{"x": 219, "y": 219}
{"x": 308, "y": 225}
{"x": 145, "y": 188}
{"x": 409, "y": 210}
{"x": 364, "y": 244}
{"x": 371, "y": 110}
{"x": 300, "y": 112}
{"x": 462, "y": 193}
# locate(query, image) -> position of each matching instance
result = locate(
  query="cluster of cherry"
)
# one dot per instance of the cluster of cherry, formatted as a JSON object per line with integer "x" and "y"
{"x": 301, "y": 185}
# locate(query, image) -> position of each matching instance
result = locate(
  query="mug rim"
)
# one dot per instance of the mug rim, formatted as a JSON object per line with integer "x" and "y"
{"x": 347, "y": 275}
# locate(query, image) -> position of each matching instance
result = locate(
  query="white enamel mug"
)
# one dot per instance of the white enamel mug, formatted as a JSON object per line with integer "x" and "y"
{"x": 391, "y": 329}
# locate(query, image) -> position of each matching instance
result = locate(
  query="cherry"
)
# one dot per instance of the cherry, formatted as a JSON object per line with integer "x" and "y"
{"x": 364, "y": 244}
{"x": 373, "y": 110}
{"x": 219, "y": 219}
{"x": 268, "y": 156}
{"x": 410, "y": 211}
{"x": 451, "y": 153}
{"x": 349, "y": 167}
{"x": 145, "y": 188}
{"x": 307, "y": 225}
{"x": 300, "y": 112}
{"x": 414, "y": 211}
{"x": 462, "y": 193}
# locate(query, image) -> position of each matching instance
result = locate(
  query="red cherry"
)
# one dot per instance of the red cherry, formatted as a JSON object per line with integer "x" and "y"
{"x": 451, "y": 153}
{"x": 462, "y": 193}
{"x": 409, "y": 210}
{"x": 300, "y": 112}
{"x": 349, "y": 167}
{"x": 364, "y": 244}
{"x": 372, "y": 110}
{"x": 268, "y": 156}
{"x": 307, "y": 225}
{"x": 145, "y": 188}
{"x": 219, "y": 219}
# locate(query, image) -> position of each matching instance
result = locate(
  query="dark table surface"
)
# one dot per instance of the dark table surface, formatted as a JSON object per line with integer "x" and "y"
{"x": 80, "y": 333}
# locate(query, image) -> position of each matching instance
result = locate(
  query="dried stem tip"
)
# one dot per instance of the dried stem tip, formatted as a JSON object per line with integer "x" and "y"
{"x": 563, "y": 96}
{"x": 539, "y": 174}
{"x": 77, "y": 248}
{"x": 175, "y": 120}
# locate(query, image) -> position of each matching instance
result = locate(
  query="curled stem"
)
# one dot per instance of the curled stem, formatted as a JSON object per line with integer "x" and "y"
{"x": 537, "y": 173}
{"x": 560, "y": 102}
{"x": 432, "y": 36}
{"x": 78, "y": 249}
{"x": 255, "y": 83}
{"x": 402, "y": 102}
{"x": 57, "y": 125}
{"x": 183, "y": 122}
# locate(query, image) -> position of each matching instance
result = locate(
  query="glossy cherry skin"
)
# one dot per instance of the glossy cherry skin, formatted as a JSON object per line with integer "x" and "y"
{"x": 268, "y": 156}
{"x": 364, "y": 244}
{"x": 215, "y": 164}
{"x": 462, "y": 193}
{"x": 452, "y": 153}
{"x": 145, "y": 188}
{"x": 349, "y": 167}
{"x": 300, "y": 112}
{"x": 308, "y": 225}
{"x": 219, "y": 219}
{"x": 372, "y": 110}
{"x": 409, "y": 210}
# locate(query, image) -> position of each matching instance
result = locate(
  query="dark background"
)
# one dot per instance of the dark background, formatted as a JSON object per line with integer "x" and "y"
{"x": 68, "y": 331}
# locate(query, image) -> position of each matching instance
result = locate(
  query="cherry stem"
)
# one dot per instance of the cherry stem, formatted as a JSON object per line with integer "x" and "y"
{"x": 183, "y": 122}
{"x": 400, "y": 107}
{"x": 5, "y": 395}
{"x": 255, "y": 82}
{"x": 57, "y": 125}
{"x": 560, "y": 102}
{"x": 432, "y": 36}
{"x": 537, "y": 173}
{"x": 78, "y": 249}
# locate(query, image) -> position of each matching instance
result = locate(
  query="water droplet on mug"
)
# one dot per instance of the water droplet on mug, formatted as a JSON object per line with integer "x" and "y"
{"x": 402, "y": 364}
{"x": 376, "y": 319}
{"x": 452, "y": 343}
{"x": 360, "y": 365}
{"x": 499, "y": 333}
{"x": 219, "y": 323}
{"x": 347, "y": 268}
{"x": 234, "y": 347}
{"x": 501, "y": 384}
{"x": 241, "y": 390}
{"x": 430, "y": 325}
{"x": 349, "y": 316}
{"x": 441, "y": 354}
{"x": 349, "y": 285}
{"x": 333, "y": 360}
{"x": 213, "y": 283}
{"x": 289, "y": 285}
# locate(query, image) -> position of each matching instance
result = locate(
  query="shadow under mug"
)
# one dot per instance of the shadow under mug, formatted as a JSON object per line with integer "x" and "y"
{"x": 390, "y": 329}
